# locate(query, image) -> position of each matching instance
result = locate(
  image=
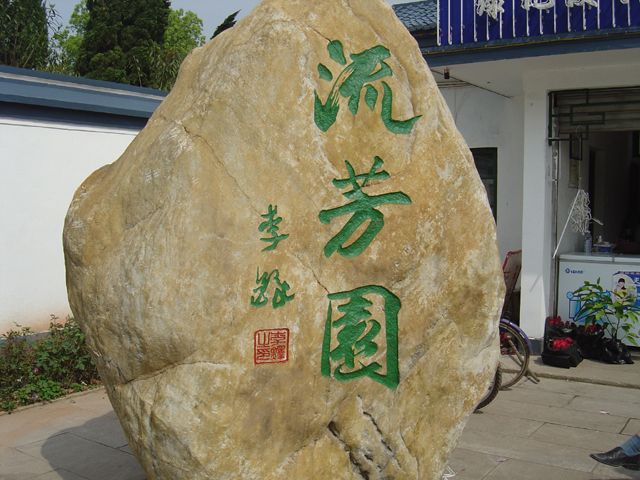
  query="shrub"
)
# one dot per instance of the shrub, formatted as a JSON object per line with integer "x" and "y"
{"x": 42, "y": 369}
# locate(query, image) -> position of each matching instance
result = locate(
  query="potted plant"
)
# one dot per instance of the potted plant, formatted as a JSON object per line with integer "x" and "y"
{"x": 589, "y": 339}
{"x": 616, "y": 313}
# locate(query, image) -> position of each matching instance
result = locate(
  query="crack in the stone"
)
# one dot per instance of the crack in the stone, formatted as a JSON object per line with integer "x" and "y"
{"x": 224, "y": 167}
{"x": 383, "y": 441}
{"x": 217, "y": 159}
{"x": 185, "y": 446}
{"x": 166, "y": 369}
{"x": 306, "y": 264}
{"x": 318, "y": 32}
{"x": 358, "y": 467}
{"x": 143, "y": 218}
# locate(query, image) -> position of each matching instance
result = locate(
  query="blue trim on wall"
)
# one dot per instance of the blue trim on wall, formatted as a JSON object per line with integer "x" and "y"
{"x": 581, "y": 42}
{"x": 29, "y": 87}
{"x": 73, "y": 117}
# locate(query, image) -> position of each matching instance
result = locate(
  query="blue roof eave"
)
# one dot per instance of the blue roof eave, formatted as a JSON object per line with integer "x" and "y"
{"x": 29, "y": 87}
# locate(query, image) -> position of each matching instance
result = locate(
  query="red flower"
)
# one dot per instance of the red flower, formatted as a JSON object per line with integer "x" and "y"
{"x": 561, "y": 344}
{"x": 590, "y": 329}
{"x": 556, "y": 321}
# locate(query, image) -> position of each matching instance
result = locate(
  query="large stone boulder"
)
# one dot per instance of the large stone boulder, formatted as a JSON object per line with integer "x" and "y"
{"x": 292, "y": 271}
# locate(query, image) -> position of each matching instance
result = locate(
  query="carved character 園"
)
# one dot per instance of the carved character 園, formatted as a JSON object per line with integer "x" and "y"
{"x": 356, "y": 339}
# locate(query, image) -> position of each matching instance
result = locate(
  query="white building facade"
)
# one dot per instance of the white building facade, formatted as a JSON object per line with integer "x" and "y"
{"x": 504, "y": 69}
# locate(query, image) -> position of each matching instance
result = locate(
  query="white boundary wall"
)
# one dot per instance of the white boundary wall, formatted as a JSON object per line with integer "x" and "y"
{"x": 41, "y": 166}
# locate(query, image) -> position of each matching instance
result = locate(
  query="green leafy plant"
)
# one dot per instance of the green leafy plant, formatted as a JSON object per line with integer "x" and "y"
{"x": 46, "y": 368}
{"x": 616, "y": 314}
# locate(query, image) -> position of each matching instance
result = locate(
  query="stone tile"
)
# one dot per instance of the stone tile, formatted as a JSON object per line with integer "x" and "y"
{"x": 491, "y": 422}
{"x": 526, "y": 449}
{"x": 21, "y": 430}
{"x": 615, "y": 473}
{"x": 59, "y": 474}
{"x": 584, "y": 389}
{"x": 472, "y": 465}
{"x": 612, "y": 405}
{"x": 560, "y": 416}
{"x": 97, "y": 402}
{"x": 579, "y": 437}
{"x": 73, "y": 419}
{"x": 538, "y": 396}
{"x": 520, "y": 470}
{"x": 632, "y": 427}
{"x": 42, "y": 414}
{"x": 85, "y": 458}
{"x": 105, "y": 430}
{"x": 16, "y": 465}
{"x": 126, "y": 449}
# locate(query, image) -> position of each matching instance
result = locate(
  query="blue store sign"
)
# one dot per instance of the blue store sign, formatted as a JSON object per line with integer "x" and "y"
{"x": 470, "y": 21}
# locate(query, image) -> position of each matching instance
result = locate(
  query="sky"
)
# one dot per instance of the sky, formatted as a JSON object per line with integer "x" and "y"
{"x": 212, "y": 12}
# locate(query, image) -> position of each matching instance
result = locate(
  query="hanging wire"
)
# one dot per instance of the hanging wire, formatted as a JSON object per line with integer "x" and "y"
{"x": 580, "y": 215}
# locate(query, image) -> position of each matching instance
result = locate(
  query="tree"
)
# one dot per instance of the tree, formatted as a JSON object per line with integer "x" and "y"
{"x": 183, "y": 34}
{"x": 66, "y": 43}
{"x": 229, "y": 22}
{"x": 24, "y": 36}
{"x": 120, "y": 39}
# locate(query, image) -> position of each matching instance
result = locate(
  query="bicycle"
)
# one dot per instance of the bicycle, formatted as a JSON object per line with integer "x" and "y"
{"x": 515, "y": 353}
{"x": 515, "y": 346}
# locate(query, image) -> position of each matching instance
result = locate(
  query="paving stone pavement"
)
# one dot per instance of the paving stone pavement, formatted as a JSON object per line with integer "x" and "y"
{"x": 544, "y": 431}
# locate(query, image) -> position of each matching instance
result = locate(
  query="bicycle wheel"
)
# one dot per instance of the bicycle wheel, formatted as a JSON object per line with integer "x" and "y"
{"x": 492, "y": 389}
{"x": 514, "y": 355}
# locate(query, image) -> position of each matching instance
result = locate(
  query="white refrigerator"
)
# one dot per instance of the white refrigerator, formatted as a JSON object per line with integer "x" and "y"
{"x": 614, "y": 271}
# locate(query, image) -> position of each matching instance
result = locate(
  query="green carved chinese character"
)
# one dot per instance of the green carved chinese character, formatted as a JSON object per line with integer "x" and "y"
{"x": 357, "y": 334}
{"x": 271, "y": 226}
{"x": 363, "y": 208}
{"x": 280, "y": 297}
{"x": 365, "y": 67}
{"x": 263, "y": 282}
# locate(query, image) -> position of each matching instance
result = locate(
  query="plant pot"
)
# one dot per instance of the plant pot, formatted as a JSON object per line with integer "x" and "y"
{"x": 564, "y": 358}
{"x": 589, "y": 344}
{"x": 614, "y": 351}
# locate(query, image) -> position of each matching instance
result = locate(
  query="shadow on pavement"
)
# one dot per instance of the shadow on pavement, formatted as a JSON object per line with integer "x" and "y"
{"x": 96, "y": 450}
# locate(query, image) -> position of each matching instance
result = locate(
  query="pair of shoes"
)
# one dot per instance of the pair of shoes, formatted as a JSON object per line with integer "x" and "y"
{"x": 617, "y": 458}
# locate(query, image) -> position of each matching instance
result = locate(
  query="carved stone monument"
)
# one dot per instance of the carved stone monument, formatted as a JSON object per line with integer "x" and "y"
{"x": 292, "y": 271}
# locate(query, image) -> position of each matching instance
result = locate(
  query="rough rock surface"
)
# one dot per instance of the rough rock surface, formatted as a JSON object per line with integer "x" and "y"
{"x": 226, "y": 330}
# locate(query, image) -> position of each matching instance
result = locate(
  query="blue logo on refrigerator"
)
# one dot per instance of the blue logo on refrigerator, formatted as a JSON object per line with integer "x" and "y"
{"x": 574, "y": 272}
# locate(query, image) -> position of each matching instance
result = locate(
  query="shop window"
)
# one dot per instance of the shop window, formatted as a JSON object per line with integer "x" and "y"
{"x": 486, "y": 160}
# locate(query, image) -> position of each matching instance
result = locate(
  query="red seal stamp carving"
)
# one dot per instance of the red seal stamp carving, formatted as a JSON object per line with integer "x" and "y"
{"x": 271, "y": 346}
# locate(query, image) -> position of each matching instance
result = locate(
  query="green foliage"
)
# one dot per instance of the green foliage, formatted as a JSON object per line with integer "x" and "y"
{"x": 183, "y": 34}
{"x": 24, "y": 35}
{"x": 137, "y": 43}
{"x": 229, "y": 22}
{"x": 65, "y": 44}
{"x": 119, "y": 39}
{"x": 616, "y": 314}
{"x": 44, "y": 369}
